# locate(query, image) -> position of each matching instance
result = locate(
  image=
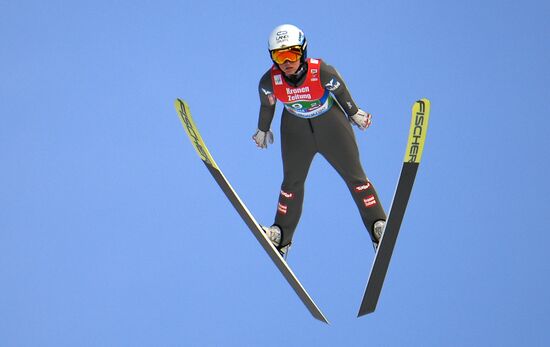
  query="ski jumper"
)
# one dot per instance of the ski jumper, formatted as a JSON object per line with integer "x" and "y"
{"x": 314, "y": 120}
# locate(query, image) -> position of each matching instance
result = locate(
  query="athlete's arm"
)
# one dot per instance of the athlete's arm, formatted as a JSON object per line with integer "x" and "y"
{"x": 331, "y": 80}
{"x": 267, "y": 102}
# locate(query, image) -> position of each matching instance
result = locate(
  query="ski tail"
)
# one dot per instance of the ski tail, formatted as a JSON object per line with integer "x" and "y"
{"x": 411, "y": 162}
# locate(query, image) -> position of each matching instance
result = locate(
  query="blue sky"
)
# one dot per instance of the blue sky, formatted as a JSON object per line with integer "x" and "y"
{"x": 112, "y": 233}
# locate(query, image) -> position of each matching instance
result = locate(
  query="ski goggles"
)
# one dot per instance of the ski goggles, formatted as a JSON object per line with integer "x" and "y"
{"x": 291, "y": 54}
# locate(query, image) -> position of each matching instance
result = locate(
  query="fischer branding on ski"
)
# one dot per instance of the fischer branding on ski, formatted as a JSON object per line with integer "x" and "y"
{"x": 189, "y": 125}
{"x": 417, "y": 131}
{"x": 413, "y": 155}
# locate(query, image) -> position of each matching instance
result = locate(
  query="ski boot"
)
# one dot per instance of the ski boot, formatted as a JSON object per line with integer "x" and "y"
{"x": 378, "y": 230}
{"x": 274, "y": 235}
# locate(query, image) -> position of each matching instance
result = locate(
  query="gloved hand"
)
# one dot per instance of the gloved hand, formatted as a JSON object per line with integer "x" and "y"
{"x": 262, "y": 138}
{"x": 361, "y": 119}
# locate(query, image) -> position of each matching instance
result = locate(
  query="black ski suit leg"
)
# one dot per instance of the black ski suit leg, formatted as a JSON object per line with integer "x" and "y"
{"x": 297, "y": 149}
{"x": 336, "y": 141}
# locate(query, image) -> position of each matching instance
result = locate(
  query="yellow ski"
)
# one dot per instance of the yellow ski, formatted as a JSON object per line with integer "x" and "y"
{"x": 413, "y": 155}
{"x": 191, "y": 129}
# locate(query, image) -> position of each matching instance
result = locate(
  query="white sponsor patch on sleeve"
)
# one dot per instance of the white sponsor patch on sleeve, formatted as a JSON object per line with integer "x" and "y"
{"x": 333, "y": 84}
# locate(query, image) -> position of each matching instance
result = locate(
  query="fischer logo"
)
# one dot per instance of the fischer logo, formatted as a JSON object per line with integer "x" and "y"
{"x": 283, "y": 209}
{"x": 194, "y": 135}
{"x": 359, "y": 189}
{"x": 370, "y": 201}
{"x": 417, "y": 132}
{"x": 287, "y": 195}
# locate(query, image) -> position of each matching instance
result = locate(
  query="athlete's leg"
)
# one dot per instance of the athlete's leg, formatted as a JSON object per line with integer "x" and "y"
{"x": 336, "y": 142}
{"x": 297, "y": 149}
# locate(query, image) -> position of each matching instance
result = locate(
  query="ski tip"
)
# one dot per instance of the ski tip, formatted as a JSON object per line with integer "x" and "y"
{"x": 182, "y": 108}
{"x": 417, "y": 132}
{"x": 424, "y": 100}
{"x": 179, "y": 102}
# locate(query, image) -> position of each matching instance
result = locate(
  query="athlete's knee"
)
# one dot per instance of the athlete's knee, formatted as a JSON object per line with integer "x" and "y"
{"x": 292, "y": 185}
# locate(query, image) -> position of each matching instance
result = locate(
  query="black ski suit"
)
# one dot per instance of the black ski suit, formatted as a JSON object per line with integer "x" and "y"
{"x": 329, "y": 134}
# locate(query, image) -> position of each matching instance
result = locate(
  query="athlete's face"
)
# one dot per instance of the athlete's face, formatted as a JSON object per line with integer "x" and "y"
{"x": 289, "y": 67}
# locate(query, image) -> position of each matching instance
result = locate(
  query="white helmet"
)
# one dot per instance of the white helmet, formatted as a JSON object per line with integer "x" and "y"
{"x": 287, "y": 35}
